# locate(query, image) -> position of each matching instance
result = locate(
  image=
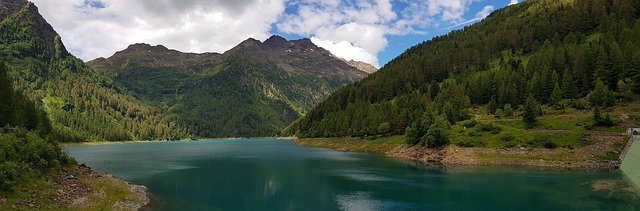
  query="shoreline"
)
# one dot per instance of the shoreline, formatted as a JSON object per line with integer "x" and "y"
{"x": 95, "y": 143}
{"x": 451, "y": 155}
{"x": 76, "y": 187}
{"x": 137, "y": 197}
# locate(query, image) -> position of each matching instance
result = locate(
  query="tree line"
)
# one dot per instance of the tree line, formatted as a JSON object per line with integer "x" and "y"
{"x": 582, "y": 54}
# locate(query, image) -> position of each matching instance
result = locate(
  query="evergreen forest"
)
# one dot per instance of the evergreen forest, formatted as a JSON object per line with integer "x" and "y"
{"x": 572, "y": 54}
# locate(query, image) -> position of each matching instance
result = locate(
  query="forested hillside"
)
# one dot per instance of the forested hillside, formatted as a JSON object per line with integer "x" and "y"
{"x": 27, "y": 147}
{"x": 578, "y": 54}
{"x": 255, "y": 89}
{"x": 82, "y": 104}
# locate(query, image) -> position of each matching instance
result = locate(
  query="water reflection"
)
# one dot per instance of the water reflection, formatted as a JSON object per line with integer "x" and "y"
{"x": 278, "y": 175}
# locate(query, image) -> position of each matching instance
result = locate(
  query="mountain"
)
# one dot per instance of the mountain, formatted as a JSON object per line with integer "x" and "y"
{"x": 555, "y": 52}
{"x": 363, "y": 66}
{"x": 253, "y": 89}
{"x": 82, "y": 104}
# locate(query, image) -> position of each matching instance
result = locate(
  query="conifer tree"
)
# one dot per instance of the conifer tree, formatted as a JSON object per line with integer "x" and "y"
{"x": 531, "y": 110}
{"x": 600, "y": 95}
{"x": 7, "y": 106}
{"x": 569, "y": 89}
{"x": 556, "y": 95}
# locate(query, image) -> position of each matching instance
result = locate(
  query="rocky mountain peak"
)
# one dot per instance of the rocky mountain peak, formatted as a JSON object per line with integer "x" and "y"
{"x": 249, "y": 43}
{"x": 8, "y": 7}
{"x": 21, "y": 10}
{"x": 363, "y": 66}
{"x": 305, "y": 42}
{"x": 139, "y": 48}
{"x": 275, "y": 41}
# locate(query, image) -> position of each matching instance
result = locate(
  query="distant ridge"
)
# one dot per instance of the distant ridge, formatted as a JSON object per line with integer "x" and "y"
{"x": 254, "y": 89}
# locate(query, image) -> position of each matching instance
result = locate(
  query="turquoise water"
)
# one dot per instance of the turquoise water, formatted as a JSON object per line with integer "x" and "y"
{"x": 268, "y": 174}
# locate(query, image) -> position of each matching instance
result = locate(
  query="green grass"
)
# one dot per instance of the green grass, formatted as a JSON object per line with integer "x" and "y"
{"x": 513, "y": 133}
{"x": 25, "y": 189}
{"x": 372, "y": 144}
{"x": 105, "y": 192}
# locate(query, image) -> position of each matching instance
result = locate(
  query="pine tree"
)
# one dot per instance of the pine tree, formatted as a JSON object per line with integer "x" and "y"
{"x": 531, "y": 110}
{"x": 601, "y": 70}
{"x": 569, "y": 89}
{"x": 600, "y": 95}
{"x": 634, "y": 73}
{"x": 7, "y": 103}
{"x": 556, "y": 95}
{"x": 616, "y": 66}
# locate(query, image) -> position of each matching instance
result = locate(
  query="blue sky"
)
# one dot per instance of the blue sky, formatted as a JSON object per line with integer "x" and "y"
{"x": 374, "y": 31}
{"x": 397, "y": 44}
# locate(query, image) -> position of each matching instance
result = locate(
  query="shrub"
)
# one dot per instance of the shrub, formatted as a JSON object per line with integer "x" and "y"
{"x": 610, "y": 155}
{"x": 470, "y": 143}
{"x": 507, "y": 137}
{"x": 475, "y": 134}
{"x": 438, "y": 133}
{"x": 489, "y": 128}
{"x": 469, "y": 123}
{"x": 550, "y": 145}
{"x": 580, "y": 104}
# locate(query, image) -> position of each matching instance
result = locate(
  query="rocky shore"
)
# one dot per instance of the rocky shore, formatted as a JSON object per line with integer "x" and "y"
{"x": 80, "y": 188}
{"x": 583, "y": 158}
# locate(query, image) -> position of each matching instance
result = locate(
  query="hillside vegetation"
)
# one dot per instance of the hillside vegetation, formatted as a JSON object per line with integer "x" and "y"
{"x": 255, "y": 89}
{"x": 82, "y": 104}
{"x": 539, "y": 73}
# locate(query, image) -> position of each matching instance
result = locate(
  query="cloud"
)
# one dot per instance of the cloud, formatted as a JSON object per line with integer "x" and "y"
{"x": 486, "y": 11}
{"x": 345, "y": 26}
{"x": 354, "y": 29}
{"x": 93, "y": 28}
{"x": 513, "y": 2}
{"x": 346, "y": 50}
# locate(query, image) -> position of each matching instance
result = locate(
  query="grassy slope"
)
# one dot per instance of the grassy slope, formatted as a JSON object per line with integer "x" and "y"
{"x": 84, "y": 190}
{"x": 559, "y": 138}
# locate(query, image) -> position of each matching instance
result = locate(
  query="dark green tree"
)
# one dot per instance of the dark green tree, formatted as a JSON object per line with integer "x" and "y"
{"x": 556, "y": 95}
{"x": 7, "y": 104}
{"x": 569, "y": 89}
{"x": 384, "y": 128}
{"x": 438, "y": 133}
{"x": 600, "y": 95}
{"x": 531, "y": 110}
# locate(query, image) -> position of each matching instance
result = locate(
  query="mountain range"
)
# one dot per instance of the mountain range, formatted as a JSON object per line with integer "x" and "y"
{"x": 150, "y": 92}
{"x": 556, "y": 52}
{"x": 253, "y": 89}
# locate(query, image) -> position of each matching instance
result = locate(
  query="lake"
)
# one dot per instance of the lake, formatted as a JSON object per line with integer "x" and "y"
{"x": 269, "y": 174}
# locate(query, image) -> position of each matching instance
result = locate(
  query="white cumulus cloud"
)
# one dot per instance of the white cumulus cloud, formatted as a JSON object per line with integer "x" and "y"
{"x": 353, "y": 29}
{"x": 92, "y": 28}
{"x": 347, "y": 25}
{"x": 513, "y": 2}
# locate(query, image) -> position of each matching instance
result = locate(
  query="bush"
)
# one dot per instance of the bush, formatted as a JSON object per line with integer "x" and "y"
{"x": 469, "y": 123}
{"x": 507, "y": 137}
{"x": 470, "y": 143}
{"x": 475, "y": 134}
{"x": 438, "y": 133}
{"x": 580, "y": 104}
{"x": 489, "y": 128}
{"x": 550, "y": 145}
{"x": 610, "y": 155}
{"x": 9, "y": 172}
{"x": 24, "y": 153}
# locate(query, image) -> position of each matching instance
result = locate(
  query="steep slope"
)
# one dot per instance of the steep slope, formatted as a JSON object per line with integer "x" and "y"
{"x": 254, "y": 89}
{"x": 528, "y": 49}
{"x": 82, "y": 104}
{"x": 363, "y": 66}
